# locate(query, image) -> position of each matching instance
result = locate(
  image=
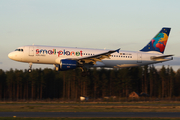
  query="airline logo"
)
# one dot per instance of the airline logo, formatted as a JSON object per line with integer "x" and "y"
{"x": 158, "y": 43}
{"x": 59, "y": 53}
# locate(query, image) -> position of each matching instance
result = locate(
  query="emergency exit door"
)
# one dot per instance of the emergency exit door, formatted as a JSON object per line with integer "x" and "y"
{"x": 139, "y": 58}
{"x": 31, "y": 51}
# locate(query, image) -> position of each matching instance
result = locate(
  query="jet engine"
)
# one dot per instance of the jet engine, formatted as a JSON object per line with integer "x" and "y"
{"x": 66, "y": 64}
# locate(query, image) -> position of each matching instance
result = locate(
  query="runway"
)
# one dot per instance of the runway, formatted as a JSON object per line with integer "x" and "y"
{"x": 92, "y": 114}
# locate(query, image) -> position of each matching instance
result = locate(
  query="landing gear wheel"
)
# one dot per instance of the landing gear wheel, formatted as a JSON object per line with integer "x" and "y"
{"x": 30, "y": 66}
{"x": 29, "y": 70}
{"x": 85, "y": 73}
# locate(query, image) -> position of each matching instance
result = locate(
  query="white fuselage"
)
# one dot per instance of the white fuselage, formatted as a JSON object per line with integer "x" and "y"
{"x": 53, "y": 55}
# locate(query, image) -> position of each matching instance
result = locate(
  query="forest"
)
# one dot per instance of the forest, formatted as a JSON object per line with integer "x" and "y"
{"x": 48, "y": 84}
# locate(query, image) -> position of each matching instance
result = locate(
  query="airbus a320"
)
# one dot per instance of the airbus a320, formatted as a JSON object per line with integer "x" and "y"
{"x": 66, "y": 58}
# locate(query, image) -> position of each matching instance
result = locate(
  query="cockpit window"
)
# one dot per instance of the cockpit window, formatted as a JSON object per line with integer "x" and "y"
{"x": 19, "y": 50}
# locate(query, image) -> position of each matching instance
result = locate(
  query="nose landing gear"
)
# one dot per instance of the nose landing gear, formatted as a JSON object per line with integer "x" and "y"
{"x": 30, "y": 66}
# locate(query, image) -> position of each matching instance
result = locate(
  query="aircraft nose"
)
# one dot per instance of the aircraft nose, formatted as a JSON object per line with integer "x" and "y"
{"x": 11, "y": 55}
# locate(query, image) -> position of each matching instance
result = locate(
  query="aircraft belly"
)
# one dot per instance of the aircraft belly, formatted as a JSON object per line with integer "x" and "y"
{"x": 39, "y": 59}
{"x": 112, "y": 63}
{"x": 46, "y": 60}
{"x": 125, "y": 63}
{"x": 99, "y": 64}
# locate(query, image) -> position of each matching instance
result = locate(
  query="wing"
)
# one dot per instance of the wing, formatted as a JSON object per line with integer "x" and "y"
{"x": 98, "y": 57}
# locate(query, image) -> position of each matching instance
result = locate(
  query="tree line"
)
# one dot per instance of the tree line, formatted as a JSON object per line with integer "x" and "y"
{"x": 70, "y": 85}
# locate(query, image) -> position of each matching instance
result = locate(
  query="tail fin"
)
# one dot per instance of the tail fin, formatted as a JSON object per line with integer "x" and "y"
{"x": 158, "y": 43}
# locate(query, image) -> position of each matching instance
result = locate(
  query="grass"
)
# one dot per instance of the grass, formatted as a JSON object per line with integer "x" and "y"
{"x": 91, "y": 107}
{"x": 11, "y": 118}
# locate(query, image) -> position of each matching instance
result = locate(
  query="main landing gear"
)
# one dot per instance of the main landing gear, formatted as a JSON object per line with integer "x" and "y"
{"x": 30, "y": 66}
{"x": 85, "y": 72}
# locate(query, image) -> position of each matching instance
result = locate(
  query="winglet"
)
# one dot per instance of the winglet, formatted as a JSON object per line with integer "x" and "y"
{"x": 117, "y": 50}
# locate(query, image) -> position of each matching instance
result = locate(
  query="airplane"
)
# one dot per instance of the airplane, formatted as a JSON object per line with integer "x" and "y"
{"x": 66, "y": 58}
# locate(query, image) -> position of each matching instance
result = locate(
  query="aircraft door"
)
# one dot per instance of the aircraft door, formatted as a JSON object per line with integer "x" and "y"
{"x": 31, "y": 51}
{"x": 139, "y": 58}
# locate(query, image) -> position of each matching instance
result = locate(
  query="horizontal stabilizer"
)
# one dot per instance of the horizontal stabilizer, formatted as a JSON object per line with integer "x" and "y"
{"x": 162, "y": 58}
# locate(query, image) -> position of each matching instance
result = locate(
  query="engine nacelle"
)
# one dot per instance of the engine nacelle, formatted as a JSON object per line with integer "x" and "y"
{"x": 66, "y": 64}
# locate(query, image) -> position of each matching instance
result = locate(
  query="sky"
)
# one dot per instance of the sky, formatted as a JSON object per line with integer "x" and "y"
{"x": 110, "y": 24}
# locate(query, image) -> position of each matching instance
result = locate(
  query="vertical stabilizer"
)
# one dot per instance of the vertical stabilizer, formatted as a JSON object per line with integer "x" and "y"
{"x": 158, "y": 43}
